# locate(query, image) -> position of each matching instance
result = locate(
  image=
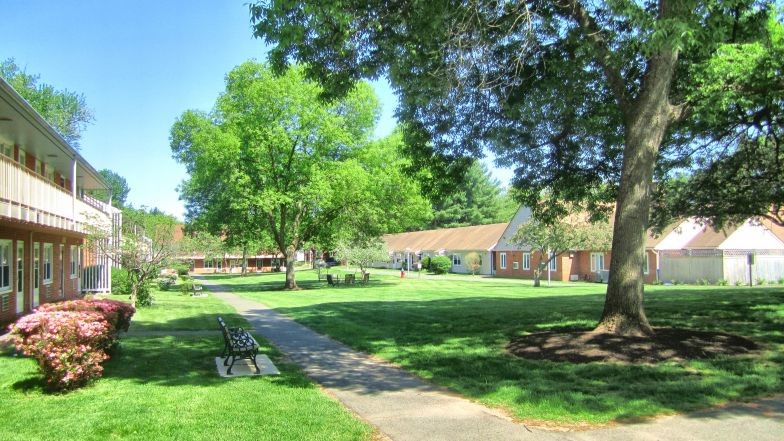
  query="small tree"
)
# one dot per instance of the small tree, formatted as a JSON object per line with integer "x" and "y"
{"x": 440, "y": 264}
{"x": 553, "y": 239}
{"x": 474, "y": 262}
{"x": 362, "y": 253}
{"x": 145, "y": 245}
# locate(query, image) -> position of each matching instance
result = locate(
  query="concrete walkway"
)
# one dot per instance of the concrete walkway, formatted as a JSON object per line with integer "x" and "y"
{"x": 400, "y": 405}
{"x": 404, "y": 407}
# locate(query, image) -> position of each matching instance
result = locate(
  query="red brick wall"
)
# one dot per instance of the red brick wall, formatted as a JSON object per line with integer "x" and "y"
{"x": 568, "y": 264}
{"x": 49, "y": 292}
{"x": 562, "y": 269}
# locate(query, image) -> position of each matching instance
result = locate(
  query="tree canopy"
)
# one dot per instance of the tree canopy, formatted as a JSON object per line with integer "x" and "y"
{"x": 587, "y": 100}
{"x": 479, "y": 200}
{"x": 118, "y": 188}
{"x": 64, "y": 110}
{"x": 272, "y": 163}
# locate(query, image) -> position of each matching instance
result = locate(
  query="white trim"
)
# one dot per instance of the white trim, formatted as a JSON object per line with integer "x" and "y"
{"x": 502, "y": 260}
{"x": 526, "y": 261}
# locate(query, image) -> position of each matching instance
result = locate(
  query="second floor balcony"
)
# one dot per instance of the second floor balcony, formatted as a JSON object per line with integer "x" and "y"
{"x": 28, "y": 197}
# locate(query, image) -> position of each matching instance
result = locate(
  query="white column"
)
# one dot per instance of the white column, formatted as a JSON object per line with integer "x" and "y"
{"x": 73, "y": 193}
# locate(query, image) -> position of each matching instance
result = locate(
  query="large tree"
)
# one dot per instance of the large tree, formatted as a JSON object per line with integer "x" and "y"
{"x": 586, "y": 99}
{"x": 64, "y": 110}
{"x": 118, "y": 189}
{"x": 479, "y": 200}
{"x": 272, "y": 162}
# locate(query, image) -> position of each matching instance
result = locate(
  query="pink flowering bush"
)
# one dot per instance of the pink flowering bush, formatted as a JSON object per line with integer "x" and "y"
{"x": 117, "y": 313}
{"x": 70, "y": 340}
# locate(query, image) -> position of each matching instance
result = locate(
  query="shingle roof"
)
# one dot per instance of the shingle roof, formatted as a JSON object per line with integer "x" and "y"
{"x": 477, "y": 237}
{"x": 710, "y": 238}
{"x": 774, "y": 228}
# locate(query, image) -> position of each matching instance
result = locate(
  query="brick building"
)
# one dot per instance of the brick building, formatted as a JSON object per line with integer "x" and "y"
{"x": 44, "y": 213}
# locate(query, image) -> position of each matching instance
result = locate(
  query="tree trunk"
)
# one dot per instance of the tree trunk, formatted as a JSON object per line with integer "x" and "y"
{"x": 645, "y": 127}
{"x": 291, "y": 283}
{"x": 537, "y": 276}
{"x": 244, "y": 261}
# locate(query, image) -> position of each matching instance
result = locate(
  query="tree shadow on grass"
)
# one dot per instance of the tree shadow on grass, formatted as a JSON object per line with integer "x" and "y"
{"x": 459, "y": 343}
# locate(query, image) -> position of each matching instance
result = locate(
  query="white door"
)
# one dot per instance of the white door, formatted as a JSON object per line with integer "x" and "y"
{"x": 36, "y": 266}
{"x": 19, "y": 276}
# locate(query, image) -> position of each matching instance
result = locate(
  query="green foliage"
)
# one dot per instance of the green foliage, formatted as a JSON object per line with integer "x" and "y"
{"x": 478, "y": 201}
{"x": 440, "y": 265}
{"x": 274, "y": 165}
{"x": 362, "y": 253}
{"x": 148, "y": 243}
{"x": 118, "y": 188}
{"x": 466, "y": 325}
{"x": 722, "y": 282}
{"x": 181, "y": 268}
{"x": 121, "y": 282}
{"x": 64, "y": 110}
{"x": 166, "y": 282}
{"x": 574, "y": 232}
{"x": 426, "y": 263}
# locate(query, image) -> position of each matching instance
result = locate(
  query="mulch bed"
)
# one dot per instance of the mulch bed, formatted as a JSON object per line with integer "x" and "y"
{"x": 669, "y": 344}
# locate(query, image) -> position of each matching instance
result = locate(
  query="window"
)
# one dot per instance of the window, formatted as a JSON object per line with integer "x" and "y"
{"x": 22, "y": 157}
{"x": 552, "y": 261}
{"x": 645, "y": 266}
{"x": 5, "y": 265}
{"x": 74, "y": 261}
{"x": 456, "y": 260}
{"x": 515, "y": 265}
{"x": 597, "y": 262}
{"x": 36, "y": 264}
{"x": 207, "y": 263}
{"x": 502, "y": 256}
{"x": 7, "y": 150}
{"x": 48, "y": 257}
{"x": 526, "y": 261}
{"x": 39, "y": 166}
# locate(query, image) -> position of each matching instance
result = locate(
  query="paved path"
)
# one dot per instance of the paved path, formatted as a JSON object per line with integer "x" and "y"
{"x": 404, "y": 407}
{"x": 401, "y": 406}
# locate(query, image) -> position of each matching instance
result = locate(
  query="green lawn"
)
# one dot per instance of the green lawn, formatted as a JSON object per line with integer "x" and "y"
{"x": 453, "y": 333}
{"x": 167, "y": 388}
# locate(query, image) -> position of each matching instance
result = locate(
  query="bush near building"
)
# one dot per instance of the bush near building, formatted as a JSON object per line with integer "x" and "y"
{"x": 71, "y": 339}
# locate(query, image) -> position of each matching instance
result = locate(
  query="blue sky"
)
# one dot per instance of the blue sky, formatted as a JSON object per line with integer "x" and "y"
{"x": 140, "y": 65}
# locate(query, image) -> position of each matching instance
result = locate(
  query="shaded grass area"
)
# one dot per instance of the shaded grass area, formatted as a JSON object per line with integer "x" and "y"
{"x": 173, "y": 311}
{"x": 167, "y": 388}
{"x": 454, "y": 334}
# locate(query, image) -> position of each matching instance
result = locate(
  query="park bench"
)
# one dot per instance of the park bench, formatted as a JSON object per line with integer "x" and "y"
{"x": 237, "y": 344}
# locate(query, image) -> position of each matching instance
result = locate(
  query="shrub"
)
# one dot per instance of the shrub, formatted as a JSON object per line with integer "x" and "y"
{"x": 426, "y": 262}
{"x": 69, "y": 340}
{"x": 181, "y": 268}
{"x": 117, "y": 314}
{"x": 761, "y": 281}
{"x": 166, "y": 282}
{"x": 703, "y": 282}
{"x": 781, "y": 281}
{"x": 68, "y": 345}
{"x": 121, "y": 282}
{"x": 440, "y": 264}
{"x": 186, "y": 287}
{"x": 738, "y": 282}
{"x": 722, "y": 282}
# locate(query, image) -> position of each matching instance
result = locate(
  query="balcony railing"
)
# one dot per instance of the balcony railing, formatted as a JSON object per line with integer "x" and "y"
{"x": 26, "y": 196}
